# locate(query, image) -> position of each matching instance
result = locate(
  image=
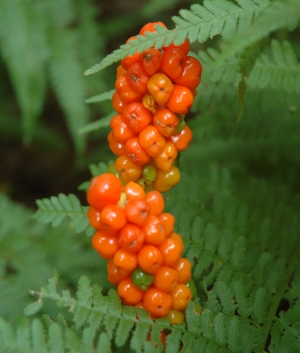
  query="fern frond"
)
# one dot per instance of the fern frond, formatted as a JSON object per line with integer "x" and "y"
{"x": 25, "y": 50}
{"x": 101, "y": 97}
{"x": 277, "y": 15}
{"x": 281, "y": 70}
{"x": 96, "y": 125}
{"x": 198, "y": 24}
{"x": 68, "y": 83}
{"x": 55, "y": 209}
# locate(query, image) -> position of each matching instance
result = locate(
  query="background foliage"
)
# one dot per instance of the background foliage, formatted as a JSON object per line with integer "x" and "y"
{"x": 237, "y": 205}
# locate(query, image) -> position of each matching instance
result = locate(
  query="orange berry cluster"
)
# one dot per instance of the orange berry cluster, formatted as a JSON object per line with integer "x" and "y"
{"x": 138, "y": 240}
{"x": 154, "y": 91}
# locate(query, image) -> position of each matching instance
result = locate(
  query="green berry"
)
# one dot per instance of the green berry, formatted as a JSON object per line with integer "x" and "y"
{"x": 149, "y": 173}
{"x": 141, "y": 279}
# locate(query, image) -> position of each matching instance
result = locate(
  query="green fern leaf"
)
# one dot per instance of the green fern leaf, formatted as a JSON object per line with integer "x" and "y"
{"x": 84, "y": 300}
{"x": 278, "y": 14}
{"x": 56, "y": 343}
{"x": 173, "y": 341}
{"x": 55, "y": 209}
{"x": 6, "y": 334}
{"x": 33, "y": 308}
{"x": 96, "y": 125}
{"x": 226, "y": 297}
{"x": 242, "y": 300}
{"x": 282, "y": 70}
{"x": 125, "y": 325}
{"x": 68, "y": 84}
{"x": 261, "y": 302}
{"x": 140, "y": 335}
{"x": 38, "y": 337}
{"x": 25, "y": 51}
{"x": 101, "y": 97}
{"x": 220, "y": 329}
{"x": 22, "y": 341}
{"x": 200, "y": 23}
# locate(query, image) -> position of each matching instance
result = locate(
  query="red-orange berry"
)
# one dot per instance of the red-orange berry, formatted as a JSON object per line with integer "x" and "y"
{"x": 149, "y": 258}
{"x": 181, "y": 296}
{"x": 94, "y": 218}
{"x": 166, "y": 278}
{"x": 104, "y": 189}
{"x": 112, "y": 218}
{"x": 115, "y": 274}
{"x": 131, "y": 238}
{"x": 137, "y": 116}
{"x": 157, "y": 302}
{"x": 154, "y": 231}
{"x": 125, "y": 259}
{"x": 167, "y": 220}
{"x": 183, "y": 268}
{"x": 137, "y": 212}
{"x": 134, "y": 191}
{"x": 156, "y": 202}
{"x": 130, "y": 293}
{"x": 171, "y": 251}
{"x": 105, "y": 244}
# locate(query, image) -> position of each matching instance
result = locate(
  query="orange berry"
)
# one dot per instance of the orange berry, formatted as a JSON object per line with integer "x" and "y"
{"x": 166, "y": 158}
{"x": 151, "y": 140}
{"x": 185, "y": 46}
{"x": 137, "y": 212}
{"x": 104, "y": 189}
{"x": 130, "y": 293}
{"x": 165, "y": 121}
{"x": 127, "y": 169}
{"x": 117, "y": 103}
{"x": 180, "y": 100}
{"x": 183, "y": 268}
{"x": 138, "y": 78}
{"x": 130, "y": 59}
{"x": 157, "y": 302}
{"x": 94, "y": 218}
{"x": 150, "y": 59}
{"x": 149, "y": 258}
{"x": 121, "y": 131}
{"x": 131, "y": 238}
{"x": 160, "y": 87}
{"x": 156, "y": 202}
{"x": 137, "y": 116}
{"x": 181, "y": 296}
{"x": 150, "y": 27}
{"x": 154, "y": 231}
{"x": 125, "y": 92}
{"x": 116, "y": 147}
{"x": 165, "y": 278}
{"x": 182, "y": 139}
{"x": 125, "y": 259}
{"x": 112, "y": 218}
{"x": 171, "y": 251}
{"x": 105, "y": 244}
{"x": 136, "y": 152}
{"x": 167, "y": 221}
{"x": 134, "y": 191}
{"x": 115, "y": 274}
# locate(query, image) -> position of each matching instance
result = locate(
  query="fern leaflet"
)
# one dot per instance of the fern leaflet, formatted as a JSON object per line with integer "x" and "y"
{"x": 198, "y": 24}
{"x": 100, "y": 97}
{"x": 55, "y": 209}
{"x": 279, "y": 14}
